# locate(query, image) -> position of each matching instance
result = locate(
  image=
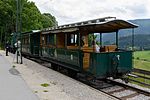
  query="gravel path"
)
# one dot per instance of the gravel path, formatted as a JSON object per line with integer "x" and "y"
{"x": 57, "y": 86}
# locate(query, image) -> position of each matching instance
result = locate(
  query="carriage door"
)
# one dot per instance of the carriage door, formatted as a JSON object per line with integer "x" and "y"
{"x": 35, "y": 43}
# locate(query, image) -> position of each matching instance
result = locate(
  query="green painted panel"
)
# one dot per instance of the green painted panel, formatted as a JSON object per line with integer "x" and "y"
{"x": 52, "y": 53}
{"x": 68, "y": 57}
{"x": 26, "y": 48}
{"x": 102, "y": 64}
{"x": 108, "y": 64}
{"x": 61, "y": 54}
{"x": 73, "y": 57}
{"x": 98, "y": 64}
{"x": 45, "y": 52}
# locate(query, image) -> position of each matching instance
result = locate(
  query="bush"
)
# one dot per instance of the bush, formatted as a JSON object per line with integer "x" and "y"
{"x": 137, "y": 58}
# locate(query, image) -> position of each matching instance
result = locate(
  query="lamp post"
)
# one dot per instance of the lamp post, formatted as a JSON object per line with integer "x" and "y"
{"x": 18, "y": 27}
{"x": 20, "y": 4}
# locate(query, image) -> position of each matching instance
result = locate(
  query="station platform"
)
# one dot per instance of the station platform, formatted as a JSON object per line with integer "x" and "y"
{"x": 12, "y": 85}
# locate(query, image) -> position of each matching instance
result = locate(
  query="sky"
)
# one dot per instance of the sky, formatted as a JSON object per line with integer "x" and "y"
{"x": 70, "y": 11}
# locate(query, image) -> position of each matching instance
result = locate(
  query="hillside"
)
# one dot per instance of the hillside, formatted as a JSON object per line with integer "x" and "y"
{"x": 142, "y": 35}
{"x": 143, "y": 26}
{"x": 140, "y": 41}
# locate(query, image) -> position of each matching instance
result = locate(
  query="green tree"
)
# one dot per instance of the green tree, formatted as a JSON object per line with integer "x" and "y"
{"x": 92, "y": 38}
{"x": 48, "y": 20}
{"x": 6, "y": 19}
{"x": 31, "y": 18}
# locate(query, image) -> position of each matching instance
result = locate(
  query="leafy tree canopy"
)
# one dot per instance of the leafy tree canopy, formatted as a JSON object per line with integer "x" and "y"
{"x": 30, "y": 16}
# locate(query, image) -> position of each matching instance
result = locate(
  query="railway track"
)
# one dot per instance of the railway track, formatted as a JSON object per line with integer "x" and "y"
{"x": 118, "y": 90}
{"x": 126, "y": 92}
{"x": 113, "y": 88}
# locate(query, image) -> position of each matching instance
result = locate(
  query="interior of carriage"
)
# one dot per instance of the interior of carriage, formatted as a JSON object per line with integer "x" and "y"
{"x": 76, "y": 36}
{"x": 71, "y": 41}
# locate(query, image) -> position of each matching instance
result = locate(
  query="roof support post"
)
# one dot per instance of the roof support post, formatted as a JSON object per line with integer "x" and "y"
{"x": 56, "y": 41}
{"x": 93, "y": 43}
{"x": 100, "y": 39}
{"x": 66, "y": 40}
{"x": 79, "y": 39}
{"x": 117, "y": 39}
{"x": 133, "y": 39}
{"x": 17, "y": 17}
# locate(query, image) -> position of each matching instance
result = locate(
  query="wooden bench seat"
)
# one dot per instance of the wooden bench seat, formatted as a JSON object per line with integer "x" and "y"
{"x": 87, "y": 49}
{"x": 72, "y": 47}
{"x": 109, "y": 48}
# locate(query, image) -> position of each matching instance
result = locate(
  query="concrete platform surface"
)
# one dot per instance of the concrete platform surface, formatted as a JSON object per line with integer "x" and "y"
{"x": 12, "y": 85}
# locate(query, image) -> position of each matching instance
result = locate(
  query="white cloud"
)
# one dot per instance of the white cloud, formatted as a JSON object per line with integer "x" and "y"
{"x": 68, "y": 11}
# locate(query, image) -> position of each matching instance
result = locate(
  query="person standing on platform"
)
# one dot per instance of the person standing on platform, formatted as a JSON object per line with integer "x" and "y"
{"x": 18, "y": 51}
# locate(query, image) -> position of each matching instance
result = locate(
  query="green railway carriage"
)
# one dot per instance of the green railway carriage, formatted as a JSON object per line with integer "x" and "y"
{"x": 68, "y": 46}
{"x": 31, "y": 43}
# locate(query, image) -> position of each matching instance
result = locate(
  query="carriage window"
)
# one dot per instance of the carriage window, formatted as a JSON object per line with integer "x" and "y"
{"x": 47, "y": 39}
{"x": 71, "y": 39}
{"x": 51, "y": 39}
{"x": 43, "y": 40}
{"x": 26, "y": 40}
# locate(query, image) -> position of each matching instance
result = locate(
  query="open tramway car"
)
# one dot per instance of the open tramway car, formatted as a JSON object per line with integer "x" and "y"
{"x": 68, "y": 46}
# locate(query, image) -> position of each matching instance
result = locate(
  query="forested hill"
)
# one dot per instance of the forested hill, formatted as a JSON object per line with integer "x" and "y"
{"x": 31, "y": 17}
{"x": 144, "y": 26}
{"x": 142, "y": 35}
{"x": 141, "y": 41}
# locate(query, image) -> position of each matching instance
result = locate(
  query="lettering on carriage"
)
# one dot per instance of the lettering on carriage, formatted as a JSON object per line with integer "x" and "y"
{"x": 71, "y": 57}
{"x": 55, "y": 53}
{"x": 118, "y": 57}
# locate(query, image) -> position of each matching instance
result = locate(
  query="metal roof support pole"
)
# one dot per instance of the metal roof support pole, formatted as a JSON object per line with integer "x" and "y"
{"x": 1, "y": 35}
{"x": 100, "y": 39}
{"x": 74, "y": 38}
{"x": 56, "y": 41}
{"x": 117, "y": 39}
{"x": 66, "y": 40}
{"x": 79, "y": 40}
{"x": 20, "y": 4}
{"x": 17, "y": 17}
{"x": 133, "y": 39}
{"x": 133, "y": 46}
{"x": 93, "y": 43}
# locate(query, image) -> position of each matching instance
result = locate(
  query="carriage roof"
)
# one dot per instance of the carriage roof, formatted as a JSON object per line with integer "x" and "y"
{"x": 101, "y": 25}
{"x": 32, "y": 32}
